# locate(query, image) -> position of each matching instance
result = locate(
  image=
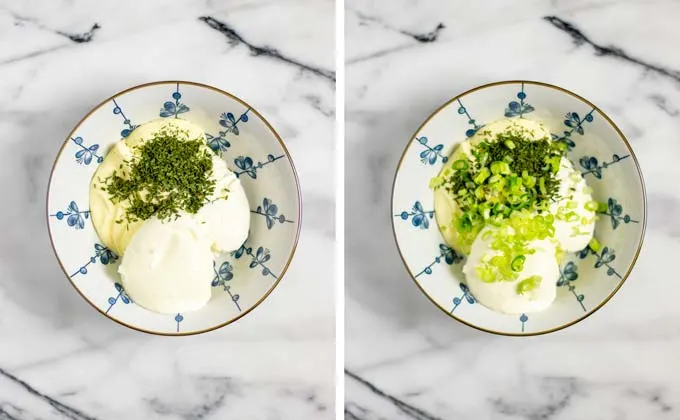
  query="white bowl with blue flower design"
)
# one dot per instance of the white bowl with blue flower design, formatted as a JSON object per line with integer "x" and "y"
{"x": 252, "y": 150}
{"x": 596, "y": 147}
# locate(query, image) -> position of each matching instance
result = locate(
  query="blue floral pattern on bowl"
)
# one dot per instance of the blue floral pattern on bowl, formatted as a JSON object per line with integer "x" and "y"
{"x": 420, "y": 217}
{"x": 174, "y": 108}
{"x": 270, "y": 212}
{"x": 252, "y": 270}
{"x": 85, "y": 155}
{"x": 594, "y": 145}
{"x": 74, "y": 216}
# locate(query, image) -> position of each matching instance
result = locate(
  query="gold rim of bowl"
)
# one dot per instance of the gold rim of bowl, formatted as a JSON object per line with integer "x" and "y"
{"x": 285, "y": 150}
{"x": 642, "y": 186}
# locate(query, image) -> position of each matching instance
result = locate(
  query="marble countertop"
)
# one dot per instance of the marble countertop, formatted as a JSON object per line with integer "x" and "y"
{"x": 405, "y": 359}
{"x": 59, "y": 359}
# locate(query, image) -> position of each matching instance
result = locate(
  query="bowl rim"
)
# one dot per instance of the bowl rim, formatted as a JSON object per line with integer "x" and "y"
{"x": 630, "y": 150}
{"x": 285, "y": 150}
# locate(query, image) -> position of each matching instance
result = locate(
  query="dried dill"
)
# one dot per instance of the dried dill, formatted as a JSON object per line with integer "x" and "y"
{"x": 168, "y": 175}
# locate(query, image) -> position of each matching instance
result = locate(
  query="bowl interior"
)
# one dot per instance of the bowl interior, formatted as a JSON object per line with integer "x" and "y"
{"x": 251, "y": 148}
{"x": 596, "y": 147}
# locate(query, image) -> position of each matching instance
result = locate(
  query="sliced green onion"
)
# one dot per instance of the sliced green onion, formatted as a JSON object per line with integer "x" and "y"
{"x": 518, "y": 263}
{"x": 495, "y": 178}
{"x": 460, "y": 164}
{"x": 541, "y": 186}
{"x": 528, "y": 284}
{"x": 594, "y": 244}
{"x": 592, "y": 206}
{"x": 509, "y": 144}
{"x": 482, "y": 176}
{"x": 571, "y": 217}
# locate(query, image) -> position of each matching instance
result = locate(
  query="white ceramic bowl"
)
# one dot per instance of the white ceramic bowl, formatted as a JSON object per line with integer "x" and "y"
{"x": 597, "y": 148}
{"x": 251, "y": 148}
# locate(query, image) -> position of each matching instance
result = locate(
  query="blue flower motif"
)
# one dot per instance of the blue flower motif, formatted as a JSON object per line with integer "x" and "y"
{"x": 260, "y": 258}
{"x": 247, "y": 166}
{"x": 222, "y": 276}
{"x": 269, "y": 210}
{"x": 178, "y": 318}
{"x": 126, "y": 121}
{"x": 574, "y": 123}
{"x": 122, "y": 296}
{"x": 85, "y": 155}
{"x": 173, "y": 109}
{"x": 520, "y": 108}
{"x": 218, "y": 143}
{"x": 105, "y": 256}
{"x": 431, "y": 154}
{"x": 421, "y": 218}
{"x": 592, "y": 165}
{"x": 74, "y": 217}
{"x": 614, "y": 211}
{"x": 568, "y": 275}
{"x": 229, "y": 122}
{"x": 604, "y": 258}
{"x": 465, "y": 297}
{"x": 475, "y": 127}
{"x": 447, "y": 254}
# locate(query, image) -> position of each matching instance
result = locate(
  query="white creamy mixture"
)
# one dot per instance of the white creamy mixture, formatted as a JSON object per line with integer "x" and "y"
{"x": 570, "y": 235}
{"x": 502, "y": 296}
{"x": 167, "y": 265}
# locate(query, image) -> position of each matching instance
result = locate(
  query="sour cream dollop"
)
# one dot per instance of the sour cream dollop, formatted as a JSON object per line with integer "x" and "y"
{"x": 502, "y": 296}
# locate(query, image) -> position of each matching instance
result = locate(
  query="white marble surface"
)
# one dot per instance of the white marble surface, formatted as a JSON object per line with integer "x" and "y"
{"x": 407, "y": 360}
{"x": 59, "y": 359}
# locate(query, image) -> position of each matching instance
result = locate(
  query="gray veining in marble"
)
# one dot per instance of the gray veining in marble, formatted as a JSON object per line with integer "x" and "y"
{"x": 407, "y": 360}
{"x": 59, "y": 359}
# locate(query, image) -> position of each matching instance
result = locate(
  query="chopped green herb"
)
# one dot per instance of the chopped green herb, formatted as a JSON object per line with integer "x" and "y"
{"x": 170, "y": 174}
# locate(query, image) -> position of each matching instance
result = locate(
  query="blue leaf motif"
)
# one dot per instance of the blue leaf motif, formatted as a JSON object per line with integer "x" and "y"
{"x": 223, "y": 274}
{"x": 450, "y": 256}
{"x": 173, "y": 109}
{"x": 230, "y": 122}
{"x": 217, "y": 143}
{"x": 520, "y": 108}
{"x": 245, "y": 164}
{"x": 86, "y": 154}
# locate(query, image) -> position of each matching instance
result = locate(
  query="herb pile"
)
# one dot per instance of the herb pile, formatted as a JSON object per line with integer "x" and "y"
{"x": 168, "y": 175}
{"x": 509, "y": 173}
